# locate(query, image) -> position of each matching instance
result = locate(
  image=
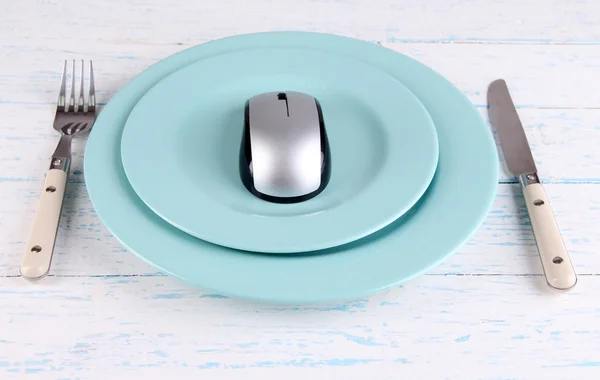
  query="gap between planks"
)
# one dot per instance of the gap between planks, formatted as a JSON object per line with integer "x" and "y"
{"x": 504, "y": 181}
{"x": 474, "y": 41}
{"x": 479, "y": 106}
{"x": 108, "y": 276}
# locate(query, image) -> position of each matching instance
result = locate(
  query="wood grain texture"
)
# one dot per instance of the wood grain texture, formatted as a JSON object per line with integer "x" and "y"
{"x": 504, "y": 245}
{"x": 560, "y": 72}
{"x": 435, "y": 327}
{"x": 51, "y": 22}
{"x": 483, "y": 314}
{"x": 558, "y": 160}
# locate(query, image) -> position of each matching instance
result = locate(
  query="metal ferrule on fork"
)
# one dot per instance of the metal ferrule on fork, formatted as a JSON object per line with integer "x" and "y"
{"x": 61, "y": 163}
{"x": 61, "y": 158}
{"x": 526, "y": 179}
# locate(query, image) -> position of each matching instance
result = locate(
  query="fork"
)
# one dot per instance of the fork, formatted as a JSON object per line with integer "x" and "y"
{"x": 70, "y": 120}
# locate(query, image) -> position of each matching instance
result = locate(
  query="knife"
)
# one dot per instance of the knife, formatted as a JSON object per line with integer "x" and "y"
{"x": 556, "y": 263}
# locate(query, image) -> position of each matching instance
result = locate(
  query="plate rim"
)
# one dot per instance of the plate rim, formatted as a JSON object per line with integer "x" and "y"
{"x": 254, "y": 237}
{"x": 341, "y": 281}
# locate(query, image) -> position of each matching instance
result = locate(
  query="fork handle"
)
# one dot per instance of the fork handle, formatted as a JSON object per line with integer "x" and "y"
{"x": 40, "y": 246}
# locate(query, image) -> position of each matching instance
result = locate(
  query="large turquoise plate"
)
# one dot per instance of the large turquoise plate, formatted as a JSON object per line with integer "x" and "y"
{"x": 181, "y": 146}
{"x": 452, "y": 208}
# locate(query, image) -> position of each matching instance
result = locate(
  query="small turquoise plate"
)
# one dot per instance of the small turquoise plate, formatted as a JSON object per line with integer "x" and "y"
{"x": 445, "y": 217}
{"x": 181, "y": 144}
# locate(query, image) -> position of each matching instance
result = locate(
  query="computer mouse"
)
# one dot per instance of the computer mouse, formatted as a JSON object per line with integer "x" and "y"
{"x": 284, "y": 152}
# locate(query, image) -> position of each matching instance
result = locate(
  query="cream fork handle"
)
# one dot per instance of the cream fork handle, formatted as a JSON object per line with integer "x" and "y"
{"x": 40, "y": 246}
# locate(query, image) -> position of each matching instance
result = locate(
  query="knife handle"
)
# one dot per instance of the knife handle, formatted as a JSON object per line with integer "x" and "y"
{"x": 556, "y": 262}
{"x": 40, "y": 246}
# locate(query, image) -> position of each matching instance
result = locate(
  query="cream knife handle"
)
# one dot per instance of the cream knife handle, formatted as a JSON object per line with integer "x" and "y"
{"x": 553, "y": 253}
{"x": 40, "y": 246}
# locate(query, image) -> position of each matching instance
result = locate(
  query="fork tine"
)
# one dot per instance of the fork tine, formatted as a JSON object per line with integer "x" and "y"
{"x": 72, "y": 95}
{"x": 80, "y": 103}
{"x": 60, "y": 104}
{"x": 92, "y": 95}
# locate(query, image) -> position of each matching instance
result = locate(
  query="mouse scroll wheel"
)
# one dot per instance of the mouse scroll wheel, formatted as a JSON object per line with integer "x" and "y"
{"x": 322, "y": 164}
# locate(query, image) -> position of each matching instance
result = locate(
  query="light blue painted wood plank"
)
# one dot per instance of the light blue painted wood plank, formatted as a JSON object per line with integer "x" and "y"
{"x": 107, "y": 327}
{"x": 185, "y": 22}
{"x": 504, "y": 245}
{"x": 539, "y": 76}
{"x": 564, "y": 144}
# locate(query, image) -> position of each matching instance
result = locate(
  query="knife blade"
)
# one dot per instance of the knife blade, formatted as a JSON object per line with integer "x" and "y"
{"x": 556, "y": 263}
{"x": 504, "y": 117}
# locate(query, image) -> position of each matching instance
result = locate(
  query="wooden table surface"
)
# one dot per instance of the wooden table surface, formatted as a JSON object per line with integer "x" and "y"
{"x": 484, "y": 314}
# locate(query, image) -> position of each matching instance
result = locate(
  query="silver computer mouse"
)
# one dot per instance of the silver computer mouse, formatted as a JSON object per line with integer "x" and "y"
{"x": 284, "y": 153}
